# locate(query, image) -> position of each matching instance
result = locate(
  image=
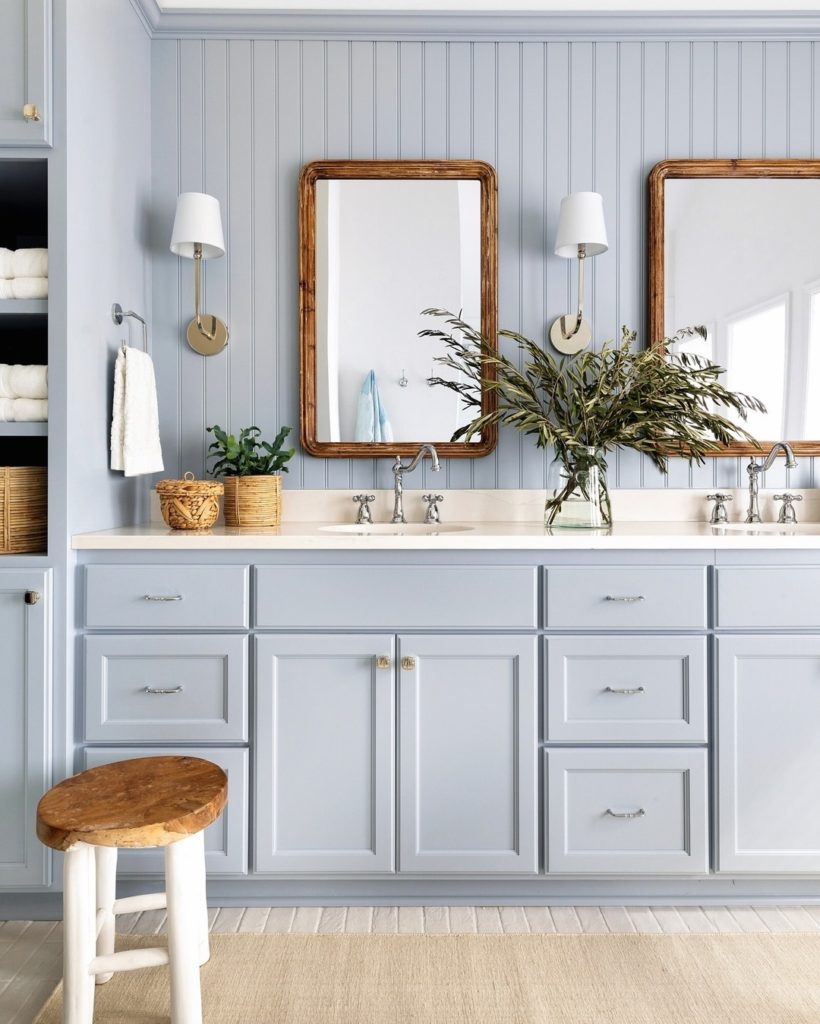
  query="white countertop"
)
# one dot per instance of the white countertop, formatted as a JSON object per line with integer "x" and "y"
{"x": 479, "y": 536}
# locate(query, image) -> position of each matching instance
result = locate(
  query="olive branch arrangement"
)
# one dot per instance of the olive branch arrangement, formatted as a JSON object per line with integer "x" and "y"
{"x": 652, "y": 400}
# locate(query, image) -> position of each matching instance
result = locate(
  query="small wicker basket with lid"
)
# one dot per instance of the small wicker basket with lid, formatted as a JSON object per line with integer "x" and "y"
{"x": 189, "y": 504}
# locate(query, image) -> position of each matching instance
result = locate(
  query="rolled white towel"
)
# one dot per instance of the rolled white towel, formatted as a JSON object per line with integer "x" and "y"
{"x": 29, "y": 288}
{"x": 29, "y": 263}
{"x": 21, "y": 381}
{"x": 6, "y": 291}
{"x": 6, "y": 264}
{"x": 23, "y": 410}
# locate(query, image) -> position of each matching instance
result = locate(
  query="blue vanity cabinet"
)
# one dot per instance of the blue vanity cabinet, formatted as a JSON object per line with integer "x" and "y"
{"x": 25, "y": 72}
{"x": 468, "y": 754}
{"x": 325, "y": 754}
{"x": 25, "y": 617}
{"x": 768, "y": 753}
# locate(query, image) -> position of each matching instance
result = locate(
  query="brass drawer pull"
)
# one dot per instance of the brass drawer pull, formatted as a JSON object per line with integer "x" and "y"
{"x": 408, "y": 663}
{"x": 382, "y": 661}
{"x": 30, "y": 112}
{"x": 625, "y": 814}
{"x": 625, "y": 599}
{"x": 163, "y": 690}
{"x": 159, "y": 597}
{"x": 625, "y": 690}
{"x": 32, "y": 596}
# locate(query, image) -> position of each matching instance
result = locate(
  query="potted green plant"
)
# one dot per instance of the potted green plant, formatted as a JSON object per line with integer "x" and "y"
{"x": 653, "y": 400}
{"x": 251, "y": 470}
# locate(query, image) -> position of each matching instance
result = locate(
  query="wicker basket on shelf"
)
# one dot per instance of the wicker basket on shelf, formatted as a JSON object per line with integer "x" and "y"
{"x": 189, "y": 504}
{"x": 23, "y": 509}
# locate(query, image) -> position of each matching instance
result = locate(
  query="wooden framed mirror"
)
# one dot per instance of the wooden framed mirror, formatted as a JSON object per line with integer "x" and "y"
{"x": 735, "y": 245}
{"x": 379, "y": 241}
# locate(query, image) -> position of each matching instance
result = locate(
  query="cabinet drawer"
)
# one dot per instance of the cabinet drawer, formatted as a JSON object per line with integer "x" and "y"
{"x": 226, "y": 840}
{"x": 166, "y": 688}
{"x": 768, "y": 598}
{"x": 166, "y": 597}
{"x": 623, "y": 597}
{"x": 621, "y": 812}
{"x": 398, "y": 597}
{"x": 635, "y": 689}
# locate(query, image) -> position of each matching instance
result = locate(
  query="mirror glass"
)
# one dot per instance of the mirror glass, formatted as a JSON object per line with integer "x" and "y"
{"x": 742, "y": 257}
{"x": 379, "y": 246}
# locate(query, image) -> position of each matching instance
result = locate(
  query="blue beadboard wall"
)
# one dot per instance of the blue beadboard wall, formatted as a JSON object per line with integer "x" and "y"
{"x": 238, "y": 118}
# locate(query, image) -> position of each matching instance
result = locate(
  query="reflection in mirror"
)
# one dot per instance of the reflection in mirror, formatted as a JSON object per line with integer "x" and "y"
{"x": 741, "y": 256}
{"x": 385, "y": 250}
{"x": 380, "y": 241}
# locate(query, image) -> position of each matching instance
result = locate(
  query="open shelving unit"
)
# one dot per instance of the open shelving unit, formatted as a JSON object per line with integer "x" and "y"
{"x": 23, "y": 322}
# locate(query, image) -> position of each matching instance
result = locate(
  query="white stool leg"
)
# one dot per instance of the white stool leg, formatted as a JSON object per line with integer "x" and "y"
{"x": 106, "y": 864}
{"x": 79, "y": 940}
{"x": 201, "y": 896}
{"x": 184, "y": 929}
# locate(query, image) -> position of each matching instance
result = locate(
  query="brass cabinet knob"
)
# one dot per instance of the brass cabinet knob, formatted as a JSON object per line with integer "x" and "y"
{"x": 30, "y": 112}
{"x": 382, "y": 661}
{"x": 32, "y": 596}
{"x": 408, "y": 663}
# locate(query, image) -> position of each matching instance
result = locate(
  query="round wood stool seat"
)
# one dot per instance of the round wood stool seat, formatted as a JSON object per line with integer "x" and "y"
{"x": 148, "y": 801}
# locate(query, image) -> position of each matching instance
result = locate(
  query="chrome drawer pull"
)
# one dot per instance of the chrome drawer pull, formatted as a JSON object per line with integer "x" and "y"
{"x": 625, "y": 599}
{"x": 158, "y": 597}
{"x": 625, "y": 814}
{"x": 162, "y": 691}
{"x": 627, "y": 691}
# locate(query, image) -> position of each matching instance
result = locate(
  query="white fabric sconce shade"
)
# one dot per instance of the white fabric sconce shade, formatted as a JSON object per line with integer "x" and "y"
{"x": 581, "y": 233}
{"x": 198, "y": 221}
{"x": 198, "y": 235}
{"x": 581, "y": 222}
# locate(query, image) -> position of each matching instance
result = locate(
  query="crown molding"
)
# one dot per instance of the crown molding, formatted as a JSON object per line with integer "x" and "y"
{"x": 521, "y": 26}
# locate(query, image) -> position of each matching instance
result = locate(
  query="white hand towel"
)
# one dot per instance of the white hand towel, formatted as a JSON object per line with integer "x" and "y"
{"x": 23, "y": 410}
{"x": 6, "y": 263}
{"x": 29, "y": 288}
{"x": 6, "y": 291}
{"x": 135, "y": 443}
{"x": 29, "y": 263}
{"x": 21, "y": 381}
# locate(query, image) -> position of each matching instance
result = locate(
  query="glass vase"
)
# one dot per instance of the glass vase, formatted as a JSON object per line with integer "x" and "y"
{"x": 580, "y": 498}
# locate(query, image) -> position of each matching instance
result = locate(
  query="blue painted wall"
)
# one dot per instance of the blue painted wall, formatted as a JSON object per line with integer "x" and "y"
{"x": 238, "y": 118}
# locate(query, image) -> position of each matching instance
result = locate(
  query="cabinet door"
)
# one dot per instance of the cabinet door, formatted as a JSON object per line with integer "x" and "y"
{"x": 226, "y": 840}
{"x": 25, "y": 71}
{"x": 24, "y": 724}
{"x": 325, "y": 723}
{"x": 768, "y": 754}
{"x": 468, "y": 743}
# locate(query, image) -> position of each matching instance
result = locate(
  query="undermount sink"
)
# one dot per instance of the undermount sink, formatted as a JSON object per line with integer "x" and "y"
{"x": 396, "y": 529}
{"x": 784, "y": 528}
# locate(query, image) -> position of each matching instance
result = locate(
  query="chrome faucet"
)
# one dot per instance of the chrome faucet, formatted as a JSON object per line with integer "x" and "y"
{"x": 399, "y": 469}
{"x": 754, "y": 469}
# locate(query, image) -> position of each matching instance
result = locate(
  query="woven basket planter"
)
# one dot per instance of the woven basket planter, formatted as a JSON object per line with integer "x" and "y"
{"x": 253, "y": 500}
{"x": 23, "y": 509}
{"x": 189, "y": 504}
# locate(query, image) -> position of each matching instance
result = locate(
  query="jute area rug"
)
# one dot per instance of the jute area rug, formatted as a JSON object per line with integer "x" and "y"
{"x": 483, "y": 979}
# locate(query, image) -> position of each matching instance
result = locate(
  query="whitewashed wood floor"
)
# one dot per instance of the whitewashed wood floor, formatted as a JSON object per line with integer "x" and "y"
{"x": 31, "y": 951}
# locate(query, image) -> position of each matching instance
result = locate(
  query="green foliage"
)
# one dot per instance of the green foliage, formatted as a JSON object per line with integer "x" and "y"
{"x": 657, "y": 404}
{"x": 248, "y": 455}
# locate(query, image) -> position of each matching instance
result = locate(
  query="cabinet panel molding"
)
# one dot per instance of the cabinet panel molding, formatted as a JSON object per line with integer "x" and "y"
{"x": 25, "y": 73}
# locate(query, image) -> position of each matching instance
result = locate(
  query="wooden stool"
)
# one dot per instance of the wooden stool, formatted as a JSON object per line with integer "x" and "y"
{"x": 149, "y": 801}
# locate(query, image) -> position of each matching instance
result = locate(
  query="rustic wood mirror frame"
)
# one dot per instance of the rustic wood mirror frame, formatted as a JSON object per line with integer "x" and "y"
{"x": 669, "y": 169}
{"x": 475, "y": 170}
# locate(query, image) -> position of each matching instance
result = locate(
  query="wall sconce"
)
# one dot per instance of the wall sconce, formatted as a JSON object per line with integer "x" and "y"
{"x": 198, "y": 236}
{"x": 581, "y": 233}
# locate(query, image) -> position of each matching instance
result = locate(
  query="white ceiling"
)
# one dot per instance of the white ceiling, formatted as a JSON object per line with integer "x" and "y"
{"x": 566, "y": 6}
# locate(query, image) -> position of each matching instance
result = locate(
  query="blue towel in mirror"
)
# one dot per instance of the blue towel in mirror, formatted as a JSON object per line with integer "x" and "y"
{"x": 372, "y": 423}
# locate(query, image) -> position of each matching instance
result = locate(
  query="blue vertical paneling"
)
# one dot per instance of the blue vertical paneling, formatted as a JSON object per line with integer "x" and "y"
{"x": 238, "y": 118}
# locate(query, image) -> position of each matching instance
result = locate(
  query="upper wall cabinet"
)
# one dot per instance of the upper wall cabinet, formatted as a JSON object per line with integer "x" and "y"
{"x": 25, "y": 73}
